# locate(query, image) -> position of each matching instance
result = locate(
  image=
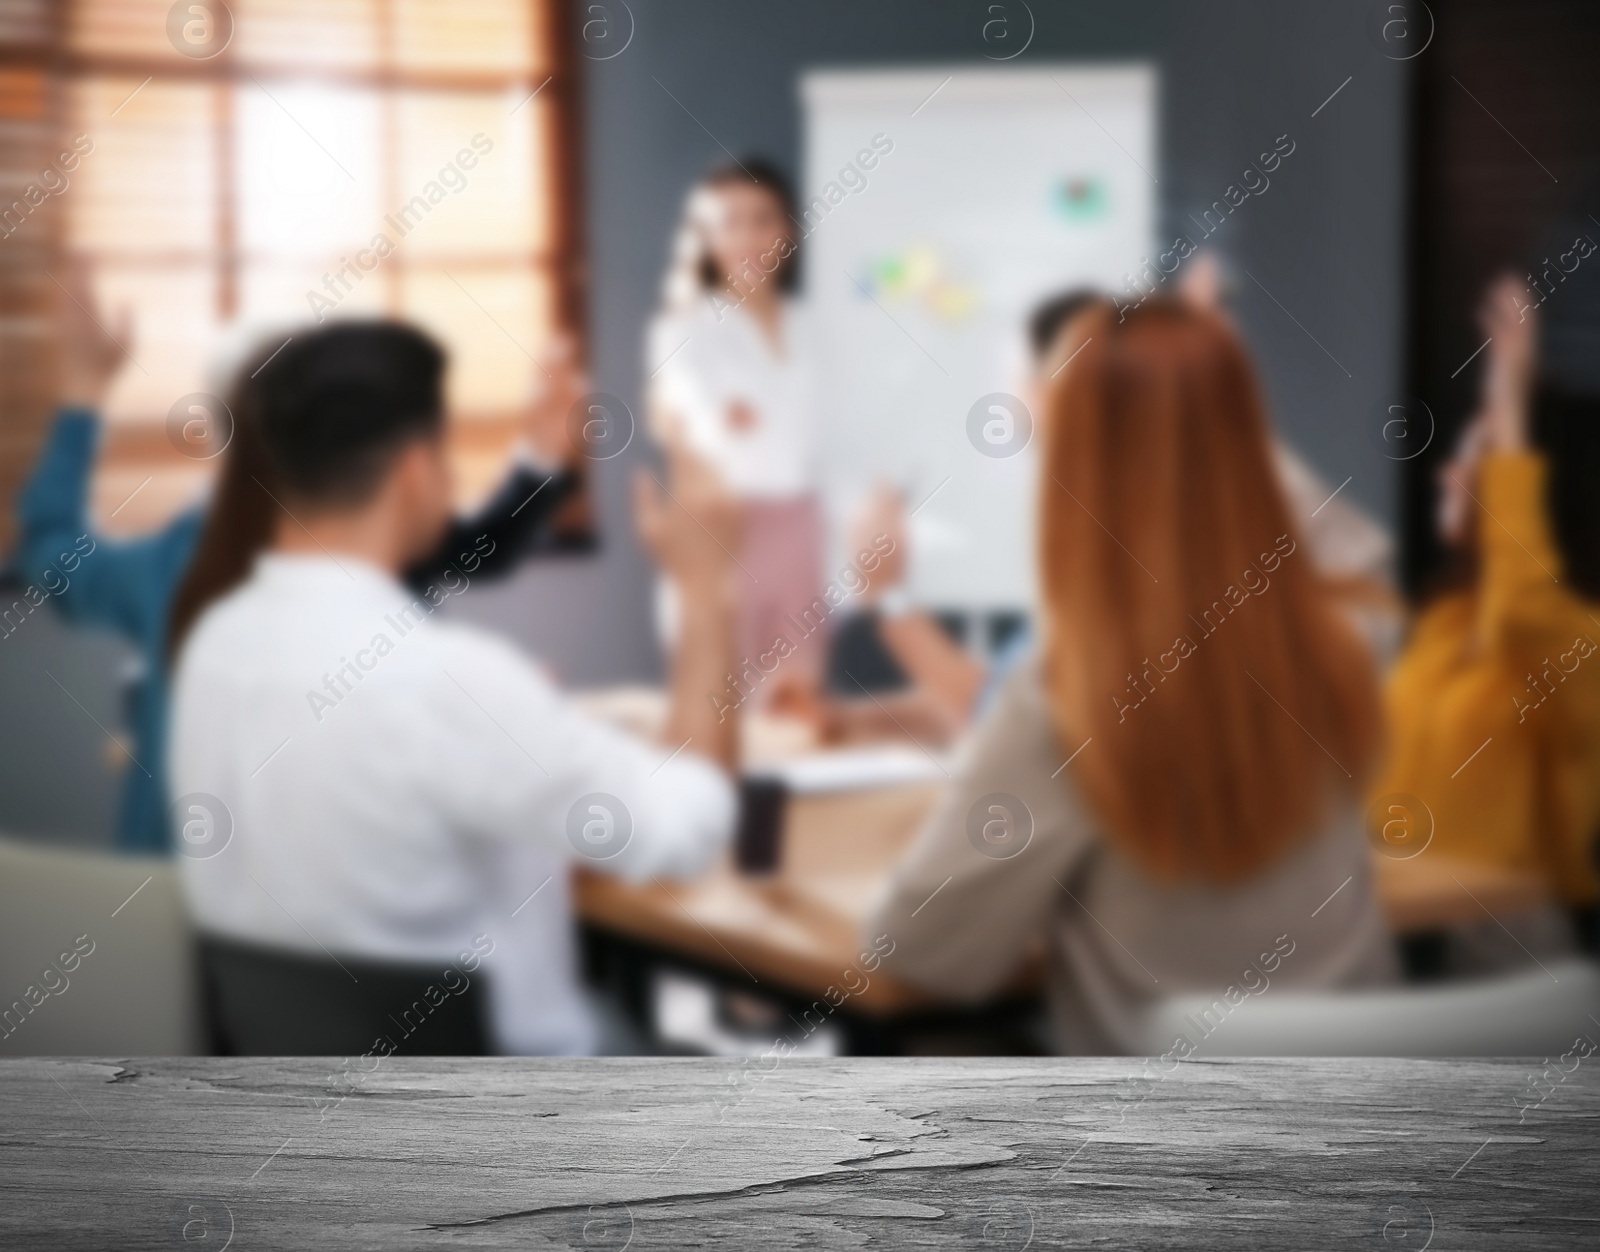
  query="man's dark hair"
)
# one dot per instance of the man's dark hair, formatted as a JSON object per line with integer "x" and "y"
{"x": 319, "y": 418}
{"x": 336, "y": 405}
{"x": 1048, "y": 317}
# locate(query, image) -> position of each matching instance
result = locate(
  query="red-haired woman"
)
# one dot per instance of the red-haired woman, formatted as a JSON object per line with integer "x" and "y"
{"x": 1168, "y": 792}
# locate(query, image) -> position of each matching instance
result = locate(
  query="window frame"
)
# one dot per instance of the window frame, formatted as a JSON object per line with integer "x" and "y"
{"x": 553, "y": 81}
{"x": 553, "y": 74}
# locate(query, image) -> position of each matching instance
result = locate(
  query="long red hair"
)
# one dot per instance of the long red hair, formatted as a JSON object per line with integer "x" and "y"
{"x": 1191, "y": 650}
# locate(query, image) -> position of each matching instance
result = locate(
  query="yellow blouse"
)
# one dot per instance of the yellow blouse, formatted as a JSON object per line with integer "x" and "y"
{"x": 1494, "y": 704}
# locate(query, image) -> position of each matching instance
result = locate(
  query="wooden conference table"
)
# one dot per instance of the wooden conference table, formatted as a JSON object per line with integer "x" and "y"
{"x": 801, "y": 927}
{"x": 1006, "y": 1153}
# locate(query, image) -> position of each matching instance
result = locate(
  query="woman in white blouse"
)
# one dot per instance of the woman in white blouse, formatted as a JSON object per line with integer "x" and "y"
{"x": 731, "y": 363}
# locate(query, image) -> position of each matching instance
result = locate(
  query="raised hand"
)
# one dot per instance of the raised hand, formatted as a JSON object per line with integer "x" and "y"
{"x": 91, "y": 352}
{"x": 558, "y": 385}
{"x": 1510, "y": 321}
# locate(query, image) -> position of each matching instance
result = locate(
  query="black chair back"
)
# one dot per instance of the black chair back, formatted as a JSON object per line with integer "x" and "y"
{"x": 263, "y": 1001}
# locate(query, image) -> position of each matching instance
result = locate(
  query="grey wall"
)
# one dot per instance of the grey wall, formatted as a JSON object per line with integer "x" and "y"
{"x": 1325, "y": 239}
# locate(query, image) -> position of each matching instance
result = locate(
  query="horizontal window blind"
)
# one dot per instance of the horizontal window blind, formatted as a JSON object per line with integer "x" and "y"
{"x": 254, "y": 167}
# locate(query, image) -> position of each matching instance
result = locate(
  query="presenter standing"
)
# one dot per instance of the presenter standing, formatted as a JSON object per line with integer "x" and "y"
{"x": 731, "y": 361}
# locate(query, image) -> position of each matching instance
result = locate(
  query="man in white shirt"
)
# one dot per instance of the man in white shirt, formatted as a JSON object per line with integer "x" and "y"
{"x": 357, "y": 776}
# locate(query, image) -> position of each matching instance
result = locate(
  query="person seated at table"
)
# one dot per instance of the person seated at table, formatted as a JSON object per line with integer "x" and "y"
{"x": 1167, "y": 790}
{"x": 1494, "y": 705}
{"x": 127, "y": 586}
{"x": 400, "y": 786}
{"x": 947, "y": 686}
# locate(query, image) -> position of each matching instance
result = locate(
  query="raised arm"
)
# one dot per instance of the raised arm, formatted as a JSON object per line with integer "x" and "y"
{"x": 942, "y": 674}
{"x": 53, "y": 508}
{"x": 1524, "y": 607}
{"x": 691, "y": 524}
{"x": 124, "y": 585}
{"x": 490, "y": 542}
{"x": 536, "y": 767}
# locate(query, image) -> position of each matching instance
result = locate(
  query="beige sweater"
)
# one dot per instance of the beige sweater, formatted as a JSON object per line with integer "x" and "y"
{"x": 988, "y": 875}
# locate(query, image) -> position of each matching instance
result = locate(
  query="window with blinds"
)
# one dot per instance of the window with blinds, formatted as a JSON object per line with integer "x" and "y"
{"x": 252, "y": 166}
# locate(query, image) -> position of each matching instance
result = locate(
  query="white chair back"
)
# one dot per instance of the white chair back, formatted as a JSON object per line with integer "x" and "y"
{"x": 1537, "y": 1013}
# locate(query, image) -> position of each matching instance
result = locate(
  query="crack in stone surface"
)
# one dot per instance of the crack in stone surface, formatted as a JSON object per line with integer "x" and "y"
{"x": 799, "y": 1180}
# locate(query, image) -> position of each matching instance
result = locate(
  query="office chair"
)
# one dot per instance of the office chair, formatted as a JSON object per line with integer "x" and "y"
{"x": 265, "y": 1001}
